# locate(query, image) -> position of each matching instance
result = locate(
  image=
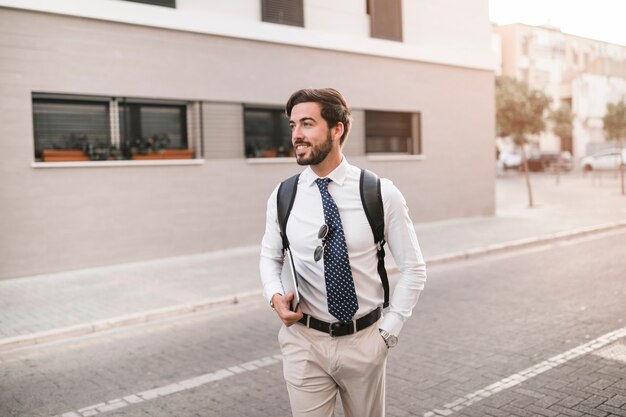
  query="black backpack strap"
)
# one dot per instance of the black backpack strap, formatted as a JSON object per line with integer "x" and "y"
{"x": 284, "y": 200}
{"x": 372, "y": 200}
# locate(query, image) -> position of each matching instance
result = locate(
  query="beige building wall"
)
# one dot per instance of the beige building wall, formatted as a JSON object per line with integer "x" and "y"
{"x": 66, "y": 218}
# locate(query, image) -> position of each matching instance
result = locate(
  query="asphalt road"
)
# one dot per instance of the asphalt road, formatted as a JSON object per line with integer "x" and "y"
{"x": 478, "y": 323}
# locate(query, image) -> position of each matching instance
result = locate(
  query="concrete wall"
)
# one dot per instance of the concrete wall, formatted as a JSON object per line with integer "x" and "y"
{"x": 65, "y": 218}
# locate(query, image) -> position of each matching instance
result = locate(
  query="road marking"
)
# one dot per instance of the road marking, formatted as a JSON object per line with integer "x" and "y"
{"x": 526, "y": 374}
{"x": 615, "y": 352}
{"x": 165, "y": 390}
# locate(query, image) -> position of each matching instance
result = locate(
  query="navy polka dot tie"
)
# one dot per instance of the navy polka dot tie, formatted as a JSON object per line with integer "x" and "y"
{"x": 342, "y": 302}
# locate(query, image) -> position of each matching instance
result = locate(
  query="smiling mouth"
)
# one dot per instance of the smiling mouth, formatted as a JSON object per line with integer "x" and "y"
{"x": 301, "y": 147}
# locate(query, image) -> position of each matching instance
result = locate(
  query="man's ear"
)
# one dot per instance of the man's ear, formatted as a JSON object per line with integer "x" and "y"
{"x": 337, "y": 131}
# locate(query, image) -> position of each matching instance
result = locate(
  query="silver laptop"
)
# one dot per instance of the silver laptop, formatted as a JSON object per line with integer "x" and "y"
{"x": 289, "y": 279}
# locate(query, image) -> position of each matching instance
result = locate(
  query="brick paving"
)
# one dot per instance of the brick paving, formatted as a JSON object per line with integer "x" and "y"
{"x": 588, "y": 385}
{"x": 480, "y": 322}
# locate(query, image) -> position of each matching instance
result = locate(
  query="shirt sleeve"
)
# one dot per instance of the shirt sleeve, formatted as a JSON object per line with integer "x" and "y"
{"x": 402, "y": 242}
{"x": 271, "y": 261}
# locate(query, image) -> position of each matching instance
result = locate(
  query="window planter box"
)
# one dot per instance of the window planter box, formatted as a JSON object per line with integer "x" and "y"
{"x": 165, "y": 154}
{"x": 63, "y": 155}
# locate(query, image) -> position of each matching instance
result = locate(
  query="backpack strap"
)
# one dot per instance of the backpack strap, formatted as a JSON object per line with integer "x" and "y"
{"x": 285, "y": 198}
{"x": 372, "y": 200}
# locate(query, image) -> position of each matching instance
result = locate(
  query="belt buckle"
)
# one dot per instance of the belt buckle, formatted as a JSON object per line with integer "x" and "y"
{"x": 332, "y": 326}
{"x": 331, "y": 332}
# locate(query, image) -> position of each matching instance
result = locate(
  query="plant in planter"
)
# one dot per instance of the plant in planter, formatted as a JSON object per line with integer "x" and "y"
{"x": 71, "y": 150}
{"x": 101, "y": 152}
{"x": 97, "y": 150}
{"x": 80, "y": 147}
{"x": 153, "y": 144}
{"x": 154, "y": 147}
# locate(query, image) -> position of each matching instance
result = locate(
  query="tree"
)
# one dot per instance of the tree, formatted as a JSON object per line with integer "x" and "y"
{"x": 562, "y": 126}
{"x": 519, "y": 113}
{"x": 615, "y": 130}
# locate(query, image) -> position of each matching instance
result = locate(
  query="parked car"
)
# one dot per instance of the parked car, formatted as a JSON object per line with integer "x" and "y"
{"x": 509, "y": 160}
{"x": 605, "y": 159}
{"x": 547, "y": 161}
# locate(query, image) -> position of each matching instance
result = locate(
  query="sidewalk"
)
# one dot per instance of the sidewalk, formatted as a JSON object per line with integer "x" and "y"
{"x": 47, "y": 307}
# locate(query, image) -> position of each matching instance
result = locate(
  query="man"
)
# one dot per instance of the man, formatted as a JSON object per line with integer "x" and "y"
{"x": 342, "y": 289}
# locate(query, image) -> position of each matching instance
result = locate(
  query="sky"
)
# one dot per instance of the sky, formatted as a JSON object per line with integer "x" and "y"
{"x": 603, "y": 20}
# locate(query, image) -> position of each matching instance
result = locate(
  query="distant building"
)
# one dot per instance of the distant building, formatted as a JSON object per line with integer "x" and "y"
{"x": 134, "y": 130}
{"x": 585, "y": 73}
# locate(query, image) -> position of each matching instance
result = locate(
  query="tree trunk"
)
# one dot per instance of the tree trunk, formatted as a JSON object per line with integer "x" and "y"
{"x": 525, "y": 168}
{"x": 621, "y": 166}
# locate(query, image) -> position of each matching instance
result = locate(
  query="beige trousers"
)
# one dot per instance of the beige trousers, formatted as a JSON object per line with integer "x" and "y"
{"x": 317, "y": 367}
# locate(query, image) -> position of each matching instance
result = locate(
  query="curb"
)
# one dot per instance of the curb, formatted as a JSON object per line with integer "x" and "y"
{"x": 525, "y": 243}
{"x": 48, "y": 336}
{"x": 16, "y": 342}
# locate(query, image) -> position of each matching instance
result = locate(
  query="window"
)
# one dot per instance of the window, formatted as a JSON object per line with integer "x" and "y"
{"x": 525, "y": 45}
{"x": 158, "y": 126}
{"x": 385, "y": 19}
{"x": 165, "y": 3}
{"x": 392, "y": 132}
{"x": 285, "y": 12}
{"x": 266, "y": 133}
{"x": 575, "y": 57}
{"x": 81, "y": 128}
{"x": 524, "y": 74}
{"x": 64, "y": 125}
{"x": 542, "y": 76}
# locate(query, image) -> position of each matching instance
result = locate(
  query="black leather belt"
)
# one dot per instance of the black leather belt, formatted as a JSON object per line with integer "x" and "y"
{"x": 341, "y": 329}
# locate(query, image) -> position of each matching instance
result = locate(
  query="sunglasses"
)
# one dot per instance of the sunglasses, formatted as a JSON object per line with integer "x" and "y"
{"x": 322, "y": 234}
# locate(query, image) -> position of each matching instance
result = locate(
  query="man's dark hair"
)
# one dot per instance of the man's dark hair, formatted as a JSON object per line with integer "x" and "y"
{"x": 334, "y": 108}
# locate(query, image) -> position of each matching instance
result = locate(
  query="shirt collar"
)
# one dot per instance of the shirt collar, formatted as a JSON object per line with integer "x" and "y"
{"x": 338, "y": 175}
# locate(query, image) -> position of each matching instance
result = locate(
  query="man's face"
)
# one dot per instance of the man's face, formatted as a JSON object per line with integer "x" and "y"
{"x": 312, "y": 139}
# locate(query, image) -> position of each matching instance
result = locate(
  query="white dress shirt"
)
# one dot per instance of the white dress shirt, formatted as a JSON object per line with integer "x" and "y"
{"x": 305, "y": 220}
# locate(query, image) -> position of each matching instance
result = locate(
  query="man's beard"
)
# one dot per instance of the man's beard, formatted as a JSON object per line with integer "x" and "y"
{"x": 317, "y": 153}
